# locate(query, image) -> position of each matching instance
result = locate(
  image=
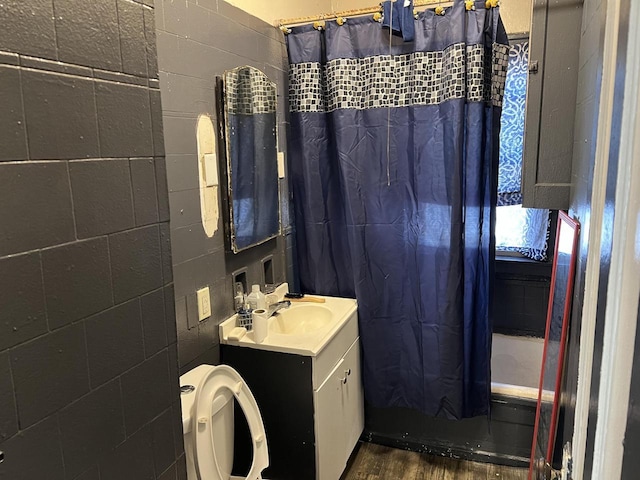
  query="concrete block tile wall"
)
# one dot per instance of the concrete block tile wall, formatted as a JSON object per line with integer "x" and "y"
{"x": 163, "y": 191}
{"x": 102, "y": 196}
{"x": 191, "y": 238}
{"x": 23, "y": 313}
{"x": 8, "y": 414}
{"x": 48, "y": 95}
{"x": 163, "y": 440}
{"x": 132, "y": 37}
{"x": 132, "y": 460}
{"x": 92, "y": 426}
{"x": 124, "y": 120}
{"x": 32, "y": 29}
{"x": 171, "y": 322}
{"x": 156, "y": 127}
{"x": 88, "y": 340}
{"x": 170, "y": 474}
{"x": 92, "y": 474}
{"x": 147, "y": 390}
{"x": 114, "y": 341}
{"x": 179, "y": 133}
{"x": 182, "y": 172}
{"x": 145, "y": 192}
{"x": 76, "y": 21}
{"x": 43, "y": 438}
{"x": 150, "y": 41}
{"x": 36, "y": 377}
{"x": 191, "y": 95}
{"x": 51, "y": 206}
{"x": 136, "y": 262}
{"x": 12, "y": 131}
{"x": 152, "y": 307}
{"x": 184, "y": 208}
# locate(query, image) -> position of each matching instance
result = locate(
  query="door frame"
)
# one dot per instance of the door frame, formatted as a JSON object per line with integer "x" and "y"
{"x": 623, "y": 289}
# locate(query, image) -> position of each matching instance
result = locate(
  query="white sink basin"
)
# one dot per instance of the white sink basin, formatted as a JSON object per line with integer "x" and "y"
{"x": 300, "y": 319}
{"x": 303, "y": 328}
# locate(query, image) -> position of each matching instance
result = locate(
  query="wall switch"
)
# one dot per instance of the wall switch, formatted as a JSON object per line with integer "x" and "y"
{"x": 204, "y": 303}
{"x": 210, "y": 169}
{"x": 280, "y": 164}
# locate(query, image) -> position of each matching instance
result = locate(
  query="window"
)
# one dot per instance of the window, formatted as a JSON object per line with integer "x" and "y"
{"x": 518, "y": 229}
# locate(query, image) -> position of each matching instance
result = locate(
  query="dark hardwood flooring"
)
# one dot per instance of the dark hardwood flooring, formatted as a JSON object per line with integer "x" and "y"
{"x": 376, "y": 462}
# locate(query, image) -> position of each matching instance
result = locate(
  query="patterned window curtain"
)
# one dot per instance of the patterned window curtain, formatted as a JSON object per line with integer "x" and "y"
{"x": 518, "y": 229}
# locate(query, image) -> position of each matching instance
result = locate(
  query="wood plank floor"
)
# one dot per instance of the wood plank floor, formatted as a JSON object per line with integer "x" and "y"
{"x": 376, "y": 462}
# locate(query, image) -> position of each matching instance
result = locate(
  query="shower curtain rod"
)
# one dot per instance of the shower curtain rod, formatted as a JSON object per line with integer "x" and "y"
{"x": 340, "y": 16}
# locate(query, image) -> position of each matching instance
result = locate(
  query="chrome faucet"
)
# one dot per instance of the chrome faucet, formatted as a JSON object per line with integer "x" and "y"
{"x": 275, "y": 307}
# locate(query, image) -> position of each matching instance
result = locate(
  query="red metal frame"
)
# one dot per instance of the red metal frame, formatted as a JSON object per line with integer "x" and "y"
{"x": 562, "y": 217}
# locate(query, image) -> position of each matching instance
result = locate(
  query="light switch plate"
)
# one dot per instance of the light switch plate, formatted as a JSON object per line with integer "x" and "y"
{"x": 211, "y": 169}
{"x": 280, "y": 164}
{"x": 204, "y": 304}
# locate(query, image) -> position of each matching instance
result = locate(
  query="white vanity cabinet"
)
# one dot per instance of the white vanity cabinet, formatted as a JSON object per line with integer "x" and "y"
{"x": 312, "y": 405}
{"x": 339, "y": 415}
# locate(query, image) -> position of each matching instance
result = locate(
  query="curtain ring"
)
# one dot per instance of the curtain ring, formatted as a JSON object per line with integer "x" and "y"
{"x": 319, "y": 25}
{"x": 341, "y": 21}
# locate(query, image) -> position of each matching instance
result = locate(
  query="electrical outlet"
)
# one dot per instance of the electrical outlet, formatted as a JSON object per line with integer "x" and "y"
{"x": 204, "y": 303}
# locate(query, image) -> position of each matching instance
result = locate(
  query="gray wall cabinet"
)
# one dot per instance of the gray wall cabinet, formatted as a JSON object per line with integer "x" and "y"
{"x": 551, "y": 103}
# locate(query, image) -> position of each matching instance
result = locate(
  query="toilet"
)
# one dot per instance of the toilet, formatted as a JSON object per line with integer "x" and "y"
{"x": 207, "y": 394}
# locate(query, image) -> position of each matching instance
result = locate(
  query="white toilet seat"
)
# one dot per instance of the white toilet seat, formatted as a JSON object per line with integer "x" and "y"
{"x": 213, "y": 392}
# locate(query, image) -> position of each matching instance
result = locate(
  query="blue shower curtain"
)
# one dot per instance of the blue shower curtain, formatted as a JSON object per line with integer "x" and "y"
{"x": 393, "y": 161}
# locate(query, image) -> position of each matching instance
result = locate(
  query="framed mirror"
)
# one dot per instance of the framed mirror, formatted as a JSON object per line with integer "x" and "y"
{"x": 250, "y": 136}
{"x": 558, "y": 314}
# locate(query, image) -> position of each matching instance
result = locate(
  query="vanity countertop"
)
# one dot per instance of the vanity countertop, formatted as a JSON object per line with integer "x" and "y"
{"x": 332, "y": 316}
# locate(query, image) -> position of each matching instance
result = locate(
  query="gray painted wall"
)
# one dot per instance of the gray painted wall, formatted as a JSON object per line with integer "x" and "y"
{"x": 198, "y": 41}
{"x": 88, "y": 364}
{"x": 586, "y": 125}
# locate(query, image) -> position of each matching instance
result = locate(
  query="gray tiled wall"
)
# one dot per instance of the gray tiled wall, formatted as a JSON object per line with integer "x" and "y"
{"x": 88, "y": 356}
{"x": 197, "y": 41}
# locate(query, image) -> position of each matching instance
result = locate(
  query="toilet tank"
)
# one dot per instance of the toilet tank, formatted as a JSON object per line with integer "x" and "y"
{"x": 221, "y": 422}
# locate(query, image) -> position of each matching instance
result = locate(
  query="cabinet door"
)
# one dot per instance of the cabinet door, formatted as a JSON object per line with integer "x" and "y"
{"x": 352, "y": 398}
{"x": 330, "y": 429}
{"x": 554, "y": 46}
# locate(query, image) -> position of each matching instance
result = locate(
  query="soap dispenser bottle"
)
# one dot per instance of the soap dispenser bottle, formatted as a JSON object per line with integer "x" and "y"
{"x": 256, "y": 298}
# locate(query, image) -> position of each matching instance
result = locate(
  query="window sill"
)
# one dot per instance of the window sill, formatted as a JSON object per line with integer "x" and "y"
{"x": 508, "y": 265}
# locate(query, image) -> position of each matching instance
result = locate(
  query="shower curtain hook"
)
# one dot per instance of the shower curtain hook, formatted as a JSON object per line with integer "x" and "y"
{"x": 319, "y": 25}
{"x": 377, "y": 17}
{"x": 341, "y": 21}
{"x": 284, "y": 29}
{"x": 470, "y": 4}
{"x": 440, "y": 11}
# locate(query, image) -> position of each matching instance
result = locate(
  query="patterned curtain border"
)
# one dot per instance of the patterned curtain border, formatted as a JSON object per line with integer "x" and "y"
{"x": 419, "y": 78}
